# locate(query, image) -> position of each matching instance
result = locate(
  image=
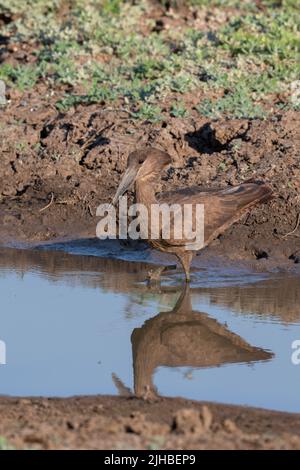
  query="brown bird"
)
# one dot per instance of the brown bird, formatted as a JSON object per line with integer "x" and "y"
{"x": 184, "y": 337}
{"x": 222, "y": 207}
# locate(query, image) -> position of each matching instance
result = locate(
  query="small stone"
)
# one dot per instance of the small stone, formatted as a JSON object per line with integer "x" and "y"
{"x": 24, "y": 401}
{"x": 207, "y": 417}
{"x": 97, "y": 408}
{"x": 44, "y": 403}
{"x": 230, "y": 426}
{"x": 188, "y": 421}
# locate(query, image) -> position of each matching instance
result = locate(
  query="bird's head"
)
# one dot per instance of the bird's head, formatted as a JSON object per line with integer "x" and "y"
{"x": 143, "y": 165}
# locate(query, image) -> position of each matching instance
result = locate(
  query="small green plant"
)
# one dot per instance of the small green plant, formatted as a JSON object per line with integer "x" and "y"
{"x": 112, "y": 6}
{"x": 4, "y": 445}
{"x": 178, "y": 110}
{"x": 100, "y": 51}
{"x": 22, "y": 76}
{"x": 56, "y": 156}
{"x": 37, "y": 147}
{"x": 237, "y": 103}
{"x": 21, "y": 146}
{"x": 222, "y": 166}
{"x": 149, "y": 113}
{"x": 157, "y": 442}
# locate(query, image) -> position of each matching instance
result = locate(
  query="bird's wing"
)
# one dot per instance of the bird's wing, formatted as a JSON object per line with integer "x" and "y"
{"x": 222, "y": 207}
{"x": 171, "y": 196}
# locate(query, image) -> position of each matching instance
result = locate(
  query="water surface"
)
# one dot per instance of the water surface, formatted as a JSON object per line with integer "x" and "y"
{"x": 82, "y": 323}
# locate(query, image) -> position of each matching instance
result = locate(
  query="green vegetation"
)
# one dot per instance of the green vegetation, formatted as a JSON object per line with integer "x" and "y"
{"x": 178, "y": 110}
{"x": 4, "y": 445}
{"x": 109, "y": 51}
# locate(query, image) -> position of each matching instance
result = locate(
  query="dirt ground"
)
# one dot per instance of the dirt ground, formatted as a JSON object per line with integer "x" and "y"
{"x": 58, "y": 166}
{"x": 105, "y": 422}
{"x": 45, "y": 197}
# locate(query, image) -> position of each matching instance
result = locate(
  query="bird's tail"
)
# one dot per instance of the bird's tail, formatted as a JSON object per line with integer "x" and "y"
{"x": 253, "y": 192}
{"x": 122, "y": 389}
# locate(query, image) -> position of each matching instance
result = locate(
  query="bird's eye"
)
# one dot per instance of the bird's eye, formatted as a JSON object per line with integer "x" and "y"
{"x": 141, "y": 161}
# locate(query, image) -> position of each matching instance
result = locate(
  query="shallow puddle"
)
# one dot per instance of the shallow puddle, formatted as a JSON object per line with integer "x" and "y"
{"x": 83, "y": 324}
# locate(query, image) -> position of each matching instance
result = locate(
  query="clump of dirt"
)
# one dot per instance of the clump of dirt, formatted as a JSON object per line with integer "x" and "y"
{"x": 57, "y": 168}
{"x": 105, "y": 422}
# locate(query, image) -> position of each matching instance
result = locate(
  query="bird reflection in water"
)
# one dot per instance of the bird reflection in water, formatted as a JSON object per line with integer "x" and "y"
{"x": 183, "y": 337}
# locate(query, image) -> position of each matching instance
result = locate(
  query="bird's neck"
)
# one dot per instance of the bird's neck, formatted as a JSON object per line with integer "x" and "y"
{"x": 145, "y": 192}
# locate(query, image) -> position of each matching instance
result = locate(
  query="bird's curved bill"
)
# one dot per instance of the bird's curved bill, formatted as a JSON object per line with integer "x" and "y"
{"x": 126, "y": 182}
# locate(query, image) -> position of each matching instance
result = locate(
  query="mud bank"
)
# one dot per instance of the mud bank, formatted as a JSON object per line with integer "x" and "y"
{"x": 70, "y": 163}
{"x": 105, "y": 422}
{"x": 58, "y": 165}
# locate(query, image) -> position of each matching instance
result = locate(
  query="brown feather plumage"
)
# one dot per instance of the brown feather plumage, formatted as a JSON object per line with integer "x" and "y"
{"x": 222, "y": 207}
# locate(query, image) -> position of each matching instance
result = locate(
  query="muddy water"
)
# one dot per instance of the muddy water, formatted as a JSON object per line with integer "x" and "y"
{"x": 80, "y": 323}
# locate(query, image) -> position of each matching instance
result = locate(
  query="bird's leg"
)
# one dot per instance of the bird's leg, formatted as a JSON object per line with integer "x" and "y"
{"x": 183, "y": 304}
{"x": 186, "y": 259}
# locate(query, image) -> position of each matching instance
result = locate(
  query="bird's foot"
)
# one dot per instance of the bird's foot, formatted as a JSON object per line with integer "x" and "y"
{"x": 150, "y": 394}
{"x": 154, "y": 275}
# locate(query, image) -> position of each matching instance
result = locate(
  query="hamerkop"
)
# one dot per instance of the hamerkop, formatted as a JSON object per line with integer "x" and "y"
{"x": 183, "y": 337}
{"x": 222, "y": 207}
